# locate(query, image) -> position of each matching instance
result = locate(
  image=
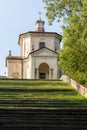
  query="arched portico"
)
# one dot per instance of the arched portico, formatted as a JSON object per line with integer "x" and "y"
{"x": 43, "y": 71}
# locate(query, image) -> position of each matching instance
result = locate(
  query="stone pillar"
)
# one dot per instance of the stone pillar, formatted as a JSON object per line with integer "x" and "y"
{"x": 37, "y": 73}
{"x": 52, "y": 74}
{"x": 49, "y": 73}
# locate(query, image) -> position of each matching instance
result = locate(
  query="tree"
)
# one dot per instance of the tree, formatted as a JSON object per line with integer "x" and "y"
{"x": 61, "y": 8}
{"x": 73, "y": 56}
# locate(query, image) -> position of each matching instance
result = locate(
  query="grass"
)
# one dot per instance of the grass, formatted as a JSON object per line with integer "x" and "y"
{"x": 42, "y": 94}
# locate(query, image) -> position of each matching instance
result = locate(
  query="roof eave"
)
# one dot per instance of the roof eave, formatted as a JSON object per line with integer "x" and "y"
{"x": 21, "y": 36}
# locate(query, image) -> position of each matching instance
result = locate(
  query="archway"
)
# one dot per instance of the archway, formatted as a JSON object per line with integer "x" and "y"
{"x": 43, "y": 71}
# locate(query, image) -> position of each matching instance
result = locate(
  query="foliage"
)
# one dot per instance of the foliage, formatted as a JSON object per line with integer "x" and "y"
{"x": 73, "y": 56}
{"x": 61, "y": 8}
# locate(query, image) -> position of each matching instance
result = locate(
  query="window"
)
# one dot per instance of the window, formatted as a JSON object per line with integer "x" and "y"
{"x": 41, "y": 44}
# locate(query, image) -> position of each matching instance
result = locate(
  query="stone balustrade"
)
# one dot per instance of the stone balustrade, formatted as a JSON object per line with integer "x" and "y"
{"x": 80, "y": 88}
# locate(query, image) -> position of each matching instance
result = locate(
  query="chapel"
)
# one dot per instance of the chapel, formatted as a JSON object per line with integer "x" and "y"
{"x": 38, "y": 55}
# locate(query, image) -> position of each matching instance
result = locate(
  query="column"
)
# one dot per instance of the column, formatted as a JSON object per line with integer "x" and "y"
{"x": 49, "y": 73}
{"x": 37, "y": 73}
{"x": 52, "y": 73}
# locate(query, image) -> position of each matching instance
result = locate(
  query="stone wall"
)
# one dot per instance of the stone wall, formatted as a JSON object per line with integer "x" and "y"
{"x": 81, "y": 89}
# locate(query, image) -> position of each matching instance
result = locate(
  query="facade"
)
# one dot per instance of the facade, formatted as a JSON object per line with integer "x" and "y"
{"x": 38, "y": 58}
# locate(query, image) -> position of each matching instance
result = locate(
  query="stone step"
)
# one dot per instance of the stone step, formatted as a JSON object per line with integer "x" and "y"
{"x": 61, "y": 119}
{"x": 42, "y": 103}
{"x": 39, "y": 127}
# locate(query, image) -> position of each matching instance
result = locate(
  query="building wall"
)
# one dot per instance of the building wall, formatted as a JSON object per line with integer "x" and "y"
{"x": 51, "y": 61}
{"x": 32, "y": 42}
{"x": 27, "y": 68}
{"x": 25, "y": 47}
{"x": 57, "y": 43}
{"x": 49, "y": 42}
{"x": 14, "y": 68}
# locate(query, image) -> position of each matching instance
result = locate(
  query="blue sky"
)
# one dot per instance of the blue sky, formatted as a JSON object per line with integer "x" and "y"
{"x": 17, "y": 17}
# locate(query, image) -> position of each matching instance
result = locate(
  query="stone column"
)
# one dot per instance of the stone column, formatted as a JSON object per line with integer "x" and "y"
{"x": 37, "y": 73}
{"x": 49, "y": 73}
{"x": 52, "y": 73}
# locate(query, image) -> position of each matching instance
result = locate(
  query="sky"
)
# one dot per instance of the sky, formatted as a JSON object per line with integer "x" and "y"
{"x": 17, "y": 17}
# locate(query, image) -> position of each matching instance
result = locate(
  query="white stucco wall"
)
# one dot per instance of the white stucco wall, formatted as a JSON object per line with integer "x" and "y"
{"x": 33, "y": 40}
{"x": 27, "y": 68}
{"x": 49, "y": 42}
{"x": 15, "y": 68}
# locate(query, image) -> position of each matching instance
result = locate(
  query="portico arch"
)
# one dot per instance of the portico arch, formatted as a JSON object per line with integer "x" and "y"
{"x": 43, "y": 71}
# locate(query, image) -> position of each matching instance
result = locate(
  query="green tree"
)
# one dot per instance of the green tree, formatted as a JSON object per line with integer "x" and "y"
{"x": 61, "y": 8}
{"x": 73, "y": 56}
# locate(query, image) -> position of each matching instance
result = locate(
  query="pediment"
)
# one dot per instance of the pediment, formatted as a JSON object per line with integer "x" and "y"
{"x": 44, "y": 52}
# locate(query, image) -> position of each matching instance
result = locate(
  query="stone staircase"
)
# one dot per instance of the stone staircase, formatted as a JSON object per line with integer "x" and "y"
{"x": 43, "y": 119}
{"x": 23, "y": 107}
{"x": 42, "y": 104}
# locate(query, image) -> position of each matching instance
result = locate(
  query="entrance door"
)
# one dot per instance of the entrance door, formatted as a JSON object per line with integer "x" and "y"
{"x": 42, "y": 75}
